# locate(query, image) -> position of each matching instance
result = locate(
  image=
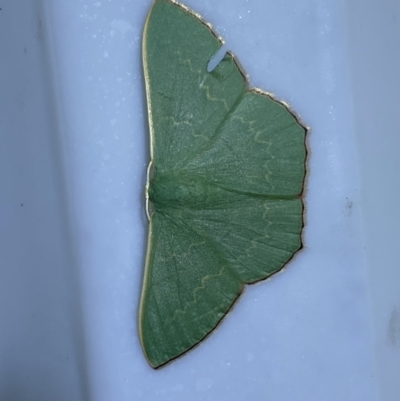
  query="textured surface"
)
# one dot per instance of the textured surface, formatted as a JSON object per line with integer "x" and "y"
{"x": 228, "y": 166}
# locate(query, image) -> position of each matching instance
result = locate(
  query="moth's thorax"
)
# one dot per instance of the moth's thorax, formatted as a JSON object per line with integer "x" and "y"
{"x": 177, "y": 189}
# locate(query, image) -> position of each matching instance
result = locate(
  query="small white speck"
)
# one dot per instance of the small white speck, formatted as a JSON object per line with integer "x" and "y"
{"x": 203, "y": 384}
{"x": 112, "y": 122}
{"x": 121, "y": 26}
{"x": 105, "y": 54}
{"x": 97, "y": 4}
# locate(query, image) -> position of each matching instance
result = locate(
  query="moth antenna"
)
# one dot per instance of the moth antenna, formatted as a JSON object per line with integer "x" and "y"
{"x": 147, "y": 189}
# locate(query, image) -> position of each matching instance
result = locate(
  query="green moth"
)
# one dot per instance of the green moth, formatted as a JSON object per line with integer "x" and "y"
{"x": 225, "y": 183}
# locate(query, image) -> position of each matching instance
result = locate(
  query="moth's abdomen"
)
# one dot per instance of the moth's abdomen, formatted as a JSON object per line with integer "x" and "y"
{"x": 174, "y": 190}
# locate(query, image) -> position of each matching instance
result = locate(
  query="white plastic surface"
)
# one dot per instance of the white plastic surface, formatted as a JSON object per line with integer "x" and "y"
{"x": 73, "y": 229}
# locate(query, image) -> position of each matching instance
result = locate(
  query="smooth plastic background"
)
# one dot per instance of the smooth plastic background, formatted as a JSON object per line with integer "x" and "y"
{"x": 73, "y": 154}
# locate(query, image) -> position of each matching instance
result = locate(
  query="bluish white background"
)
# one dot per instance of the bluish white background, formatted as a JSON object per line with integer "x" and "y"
{"x": 73, "y": 154}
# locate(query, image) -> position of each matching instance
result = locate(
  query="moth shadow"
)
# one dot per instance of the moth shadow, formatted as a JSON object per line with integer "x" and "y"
{"x": 141, "y": 194}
